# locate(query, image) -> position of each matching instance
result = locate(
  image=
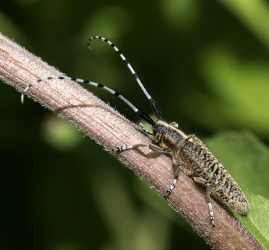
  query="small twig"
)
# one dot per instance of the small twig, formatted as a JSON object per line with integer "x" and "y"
{"x": 69, "y": 100}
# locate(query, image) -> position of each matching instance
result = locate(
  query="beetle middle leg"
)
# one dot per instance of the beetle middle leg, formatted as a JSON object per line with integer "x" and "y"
{"x": 178, "y": 166}
{"x": 158, "y": 150}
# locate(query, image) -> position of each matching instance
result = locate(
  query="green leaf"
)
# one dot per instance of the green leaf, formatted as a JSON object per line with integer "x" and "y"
{"x": 247, "y": 160}
{"x": 257, "y": 219}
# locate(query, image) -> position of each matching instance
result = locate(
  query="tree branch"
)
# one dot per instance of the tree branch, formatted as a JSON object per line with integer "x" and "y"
{"x": 69, "y": 100}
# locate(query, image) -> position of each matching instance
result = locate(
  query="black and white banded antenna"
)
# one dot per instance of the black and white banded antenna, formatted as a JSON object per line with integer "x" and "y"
{"x": 143, "y": 115}
{"x": 153, "y": 103}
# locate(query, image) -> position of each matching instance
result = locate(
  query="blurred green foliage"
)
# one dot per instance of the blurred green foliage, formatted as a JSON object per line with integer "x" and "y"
{"x": 206, "y": 63}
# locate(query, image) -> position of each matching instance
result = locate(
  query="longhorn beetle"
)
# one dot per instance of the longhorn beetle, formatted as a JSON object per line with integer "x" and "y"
{"x": 188, "y": 153}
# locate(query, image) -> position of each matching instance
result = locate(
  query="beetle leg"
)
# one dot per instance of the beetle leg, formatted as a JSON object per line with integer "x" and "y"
{"x": 153, "y": 147}
{"x": 205, "y": 183}
{"x": 178, "y": 166}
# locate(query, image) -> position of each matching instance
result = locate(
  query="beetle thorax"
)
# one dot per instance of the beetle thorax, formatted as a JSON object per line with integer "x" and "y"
{"x": 165, "y": 132}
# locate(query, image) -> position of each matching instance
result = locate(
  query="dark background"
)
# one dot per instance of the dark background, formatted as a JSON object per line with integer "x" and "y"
{"x": 205, "y": 62}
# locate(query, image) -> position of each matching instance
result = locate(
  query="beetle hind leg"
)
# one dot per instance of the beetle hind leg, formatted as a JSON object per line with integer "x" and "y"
{"x": 205, "y": 183}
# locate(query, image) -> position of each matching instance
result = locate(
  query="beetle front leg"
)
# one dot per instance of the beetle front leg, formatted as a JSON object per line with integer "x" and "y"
{"x": 153, "y": 147}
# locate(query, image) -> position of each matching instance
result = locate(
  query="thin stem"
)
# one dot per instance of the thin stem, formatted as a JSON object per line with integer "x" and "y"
{"x": 69, "y": 100}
